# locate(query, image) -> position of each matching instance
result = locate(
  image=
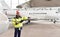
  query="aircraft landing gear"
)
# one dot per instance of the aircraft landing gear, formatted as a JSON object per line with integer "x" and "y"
{"x": 54, "y": 21}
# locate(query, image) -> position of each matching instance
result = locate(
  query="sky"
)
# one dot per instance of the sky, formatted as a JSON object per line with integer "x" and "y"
{"x": 13, "y": 3}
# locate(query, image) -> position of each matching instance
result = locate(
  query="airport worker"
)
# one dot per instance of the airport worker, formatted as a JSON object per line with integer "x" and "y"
{"x": 17, "y": 23}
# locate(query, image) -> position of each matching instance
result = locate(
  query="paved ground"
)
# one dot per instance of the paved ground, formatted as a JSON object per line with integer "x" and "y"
{"x": 36, "y": 30}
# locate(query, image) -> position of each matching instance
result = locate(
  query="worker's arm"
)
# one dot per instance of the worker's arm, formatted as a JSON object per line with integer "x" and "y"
{"x": 24, "y": 18}
{"x": 13, "y": 21}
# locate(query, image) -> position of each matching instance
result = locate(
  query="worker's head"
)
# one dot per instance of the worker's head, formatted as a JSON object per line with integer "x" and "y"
{"x": 18, "y": 14}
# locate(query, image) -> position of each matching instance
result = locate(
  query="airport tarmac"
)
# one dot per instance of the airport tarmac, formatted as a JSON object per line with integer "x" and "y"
{"x": 36, "y": 30}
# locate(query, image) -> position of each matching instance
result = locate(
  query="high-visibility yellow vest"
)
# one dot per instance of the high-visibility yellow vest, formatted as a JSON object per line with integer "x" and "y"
{"x": 14, "y": 20}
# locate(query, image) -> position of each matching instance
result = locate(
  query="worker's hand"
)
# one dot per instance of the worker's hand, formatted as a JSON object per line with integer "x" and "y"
{"x": 21, "y": 21}
{"x": 20, "y": 28}
{"x": 16, "y": 23}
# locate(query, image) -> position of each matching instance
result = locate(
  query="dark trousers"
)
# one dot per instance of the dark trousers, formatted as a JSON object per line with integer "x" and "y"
{"x": 17, "y": 32}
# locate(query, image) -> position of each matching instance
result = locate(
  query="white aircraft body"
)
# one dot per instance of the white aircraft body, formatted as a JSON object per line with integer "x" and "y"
{"x": 39, "y": 13}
